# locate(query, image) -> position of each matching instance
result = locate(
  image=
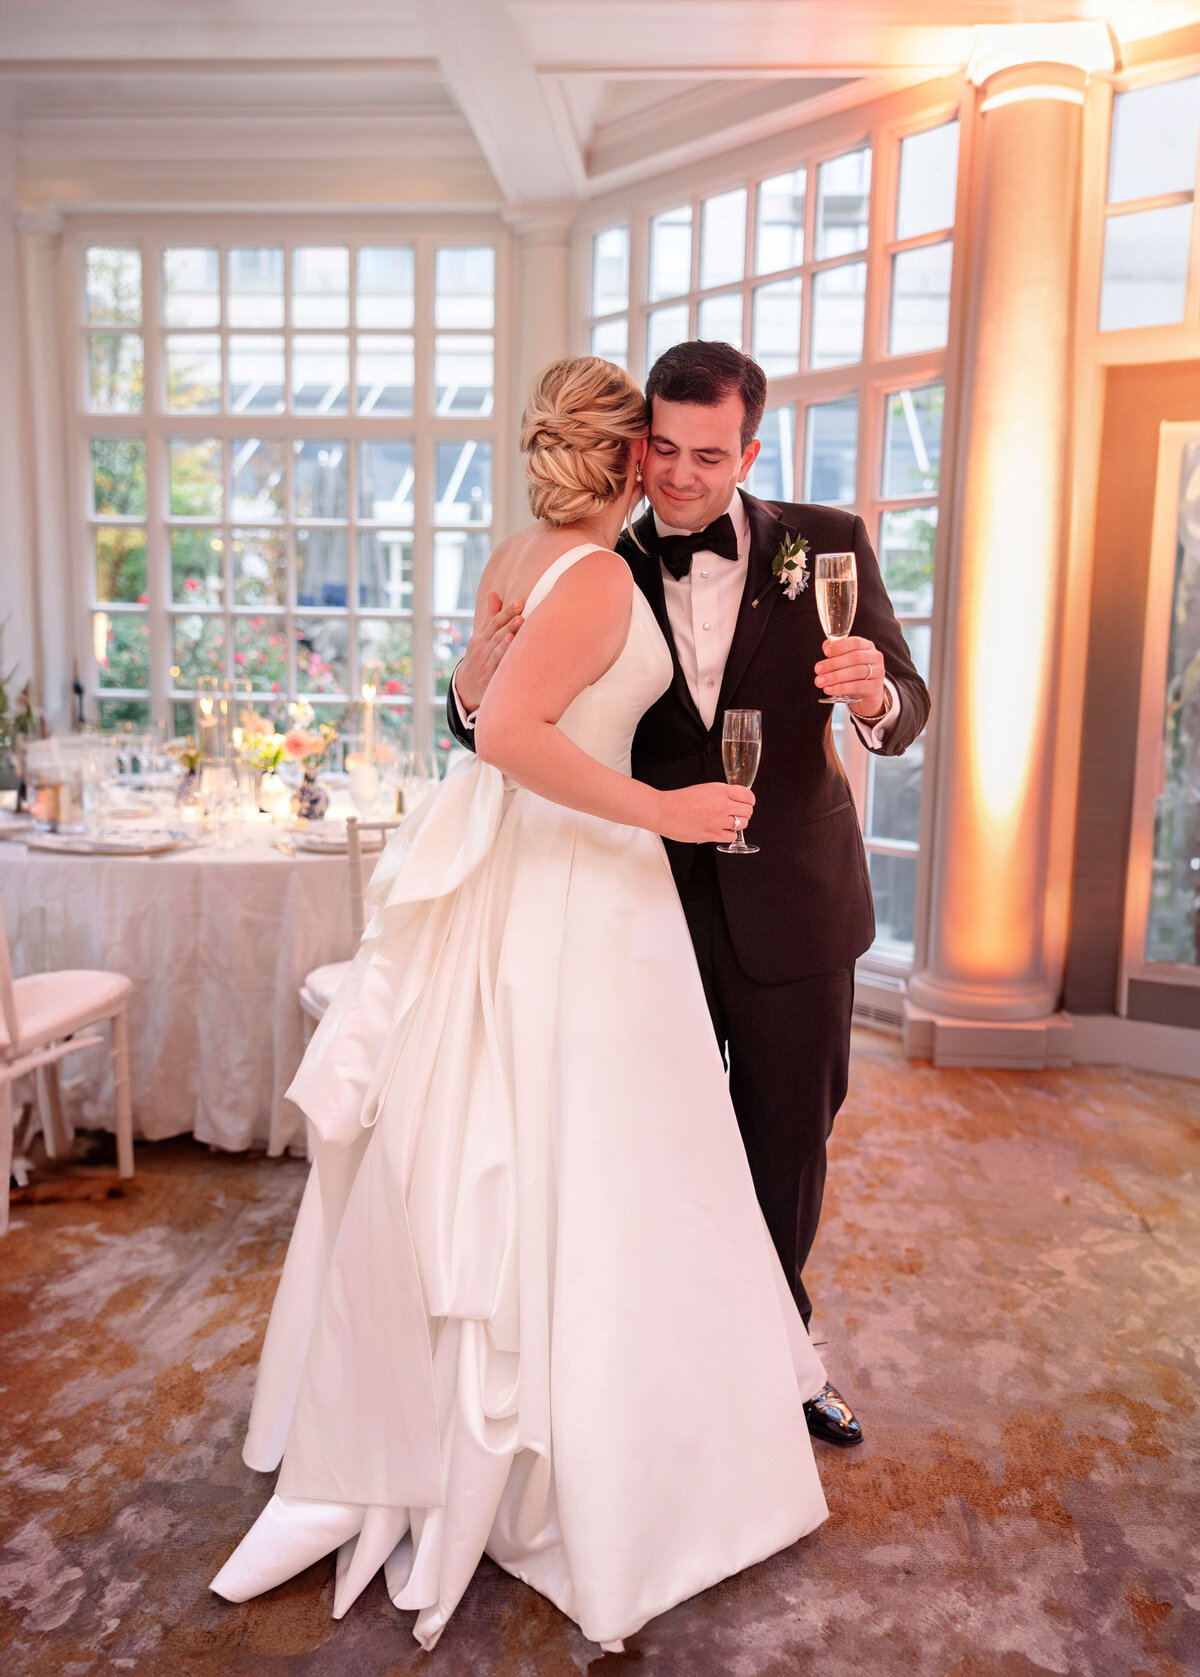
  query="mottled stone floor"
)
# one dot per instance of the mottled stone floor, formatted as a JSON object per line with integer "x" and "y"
{"x": 1007, "y": 1280}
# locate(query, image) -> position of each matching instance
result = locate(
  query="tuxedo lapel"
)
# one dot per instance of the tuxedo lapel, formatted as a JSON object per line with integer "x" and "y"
{"x": 647, "y": 573}
{"x": 766, "y": 533}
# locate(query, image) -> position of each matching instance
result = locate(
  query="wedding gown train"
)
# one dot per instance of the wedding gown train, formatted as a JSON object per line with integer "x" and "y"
{"x": 530, "y": 1307}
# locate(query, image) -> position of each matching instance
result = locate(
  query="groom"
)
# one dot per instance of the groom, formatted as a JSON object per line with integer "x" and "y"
{"x": 776, "y": 934}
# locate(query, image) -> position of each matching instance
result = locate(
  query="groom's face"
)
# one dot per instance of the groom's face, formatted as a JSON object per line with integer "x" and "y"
{"x": 695, "y": 460}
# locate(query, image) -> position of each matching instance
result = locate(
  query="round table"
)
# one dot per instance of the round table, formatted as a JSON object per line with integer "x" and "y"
{"x": 217, "y": 943}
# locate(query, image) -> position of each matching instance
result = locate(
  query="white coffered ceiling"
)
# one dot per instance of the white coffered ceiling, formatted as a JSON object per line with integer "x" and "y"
{"x": 452, "y": 103}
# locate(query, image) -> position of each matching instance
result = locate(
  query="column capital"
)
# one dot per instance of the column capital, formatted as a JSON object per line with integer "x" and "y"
{"x": 1051, "y": 54}
{"x": 547, "y": 222}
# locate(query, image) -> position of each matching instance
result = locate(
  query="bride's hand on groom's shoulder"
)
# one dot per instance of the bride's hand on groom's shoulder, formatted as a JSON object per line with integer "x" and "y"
{"x": 705, "y": 814}
{"x": 490, "y": 640}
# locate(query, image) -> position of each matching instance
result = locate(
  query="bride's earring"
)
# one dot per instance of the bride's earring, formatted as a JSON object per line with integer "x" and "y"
{"x": 637, "y": 474}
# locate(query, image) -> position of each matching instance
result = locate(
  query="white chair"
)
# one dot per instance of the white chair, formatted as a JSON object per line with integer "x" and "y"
{"x": 319, "y": 986}
{"x": 41, "y": 1018}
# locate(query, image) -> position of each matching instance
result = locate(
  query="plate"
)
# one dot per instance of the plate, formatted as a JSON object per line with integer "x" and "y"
{"x": 132, "y": 844}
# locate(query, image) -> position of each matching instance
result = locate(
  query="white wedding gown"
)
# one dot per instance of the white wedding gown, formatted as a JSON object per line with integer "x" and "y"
{"x": 530, "y": 1307}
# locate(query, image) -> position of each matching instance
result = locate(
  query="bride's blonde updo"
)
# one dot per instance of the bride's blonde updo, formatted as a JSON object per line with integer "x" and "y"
{"x": 580, "y": 419}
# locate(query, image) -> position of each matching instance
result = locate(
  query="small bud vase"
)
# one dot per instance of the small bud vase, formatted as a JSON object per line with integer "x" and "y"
{"x": 310, "y": 800}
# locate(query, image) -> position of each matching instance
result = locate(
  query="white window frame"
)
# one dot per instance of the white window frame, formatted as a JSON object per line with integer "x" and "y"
{"x": 424, "y": 428}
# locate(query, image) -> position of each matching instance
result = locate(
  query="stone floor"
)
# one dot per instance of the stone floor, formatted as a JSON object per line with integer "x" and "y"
{"x": 1007, "y": 1282}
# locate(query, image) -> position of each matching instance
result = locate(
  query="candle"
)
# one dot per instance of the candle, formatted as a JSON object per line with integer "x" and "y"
{"x": 368, "y": 694}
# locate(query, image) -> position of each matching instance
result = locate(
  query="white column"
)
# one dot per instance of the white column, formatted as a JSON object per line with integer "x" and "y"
{"x": 541, "y": 247}
{"x": 41, "y": 242}
{"x": 20, "y": 648}
{"x": 988, "y": 993}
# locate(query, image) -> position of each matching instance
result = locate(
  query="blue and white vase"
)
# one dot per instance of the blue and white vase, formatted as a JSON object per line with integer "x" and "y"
{"x": 310, "y": 800}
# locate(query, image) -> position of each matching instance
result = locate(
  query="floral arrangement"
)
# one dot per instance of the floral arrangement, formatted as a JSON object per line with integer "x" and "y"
{"x": 301, "y": 743}
{"x": 186, "y": 753}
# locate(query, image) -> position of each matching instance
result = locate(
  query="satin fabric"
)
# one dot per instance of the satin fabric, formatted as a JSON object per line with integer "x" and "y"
{"x": 530, "y": 1307}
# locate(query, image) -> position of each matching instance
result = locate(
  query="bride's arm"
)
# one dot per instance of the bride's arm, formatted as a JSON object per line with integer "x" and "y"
{"x": 574, "y": 636}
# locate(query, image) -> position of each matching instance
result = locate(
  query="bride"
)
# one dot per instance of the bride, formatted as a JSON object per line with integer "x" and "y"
{"x": 530, "y": 1307}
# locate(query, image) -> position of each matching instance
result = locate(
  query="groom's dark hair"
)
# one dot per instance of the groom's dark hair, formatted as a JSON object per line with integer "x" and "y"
{"x": 705, "y": 373}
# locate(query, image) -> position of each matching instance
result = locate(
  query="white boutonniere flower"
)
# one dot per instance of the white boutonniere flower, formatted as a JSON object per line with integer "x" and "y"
{"x": 790, "y": 566}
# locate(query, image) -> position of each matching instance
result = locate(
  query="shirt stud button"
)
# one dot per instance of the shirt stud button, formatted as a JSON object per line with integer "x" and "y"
{"x": 705, "y": 625}
{"x": 703, "y": 573}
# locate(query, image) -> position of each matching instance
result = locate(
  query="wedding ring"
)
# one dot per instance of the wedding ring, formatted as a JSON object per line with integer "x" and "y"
{"x": 736, "y": 824}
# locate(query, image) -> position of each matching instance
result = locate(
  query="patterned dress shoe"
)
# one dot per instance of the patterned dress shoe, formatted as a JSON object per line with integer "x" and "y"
{"x": 830, "y": 1417}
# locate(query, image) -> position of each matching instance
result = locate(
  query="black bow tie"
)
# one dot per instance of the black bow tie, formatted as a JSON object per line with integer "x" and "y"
{"x": 718, "y": 537}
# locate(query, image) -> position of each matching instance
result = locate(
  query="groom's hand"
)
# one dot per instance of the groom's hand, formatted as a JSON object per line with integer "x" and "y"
{"x": 854, "y": 668}
{"x": 487, "y": 645}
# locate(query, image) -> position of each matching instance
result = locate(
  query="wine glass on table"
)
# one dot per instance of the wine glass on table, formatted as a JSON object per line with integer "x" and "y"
{"x": 836, "y": 579}
{"x": 741, "y": 747}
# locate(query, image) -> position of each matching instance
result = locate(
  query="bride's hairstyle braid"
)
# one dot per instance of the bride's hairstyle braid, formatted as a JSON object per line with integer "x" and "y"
{"x": 580, "y": 419}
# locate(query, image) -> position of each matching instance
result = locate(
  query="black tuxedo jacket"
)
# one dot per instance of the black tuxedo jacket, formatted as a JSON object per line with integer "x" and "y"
{"x": 802, "y": 905}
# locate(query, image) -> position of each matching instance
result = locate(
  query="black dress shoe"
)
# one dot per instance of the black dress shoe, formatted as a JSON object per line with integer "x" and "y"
{"x": 830, "y": 1417}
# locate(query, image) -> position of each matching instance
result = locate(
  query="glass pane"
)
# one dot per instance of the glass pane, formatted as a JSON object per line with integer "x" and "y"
{"x": 194, "y": 469}
{"x": 121, "y": 565}
{"x": 450, "y": 637}
{"x": 919, "y": 637}
{"x": 1155, "y": 133}
{"x": 321, "y": 286}
{"x": 259, "y": 568}
{"x": 197, "y": 574}
{"x": 610, "y": 270}
{"x": 894, "y": 798}
{"x": 928, "y": 181}
{"x": 458, "y": 560}
{"x": 777, "y": 326}
{"x": 259, "y": 473}
{"x": 321, "y": 649}
{"x": 255, "y": 374}
{"x": 894, "y": 888}
{"x": 781, "y": 222}
{"x": 114, "y": 712}
{"x": 197, "y": 648}
{"x": 385, "y": 286}
{"x": 906, "y": 538}
{"x": 384, "y": 375}
{"x": 191, "y": 287}
{"x": 839, "y": 302}
{"x": 255, "y": 287}
{"x": 665, "y": 327}
{"x": 462, "y": 374}
{"x": 671, "y": 253}
{"x": 119, "y": 476}
{"x": 921, "y": 298}
{"x": 723, "y": 238}
{"x": 610, "y": 341}
{"x": 320, "y": 374}
{"x": 193, "y": 373}
{"x": 721, "y": 319}
{"x": 843, "y": 203}
{"x": 464, "y": 483}
{"x": 1145, "y": 268}
{"x": 260, "y": 652}
{"x": 319, "y": 480}
{"x": 114, "y": 285}
{"x": 385, "y": 569}
{"x": 912, "y": 443}
{"x": 321, "y": 576}
{"x": 831, "y": 451}
{"x": 386, "y": 644}
{"x": 466, "y": 283}
{"x": 772, "y": 475}
{"x": 122, "y": 647}
{"x": 114, "y": 372}
{"x": 1173, "y": 930}
{"x": 385, "y": 482}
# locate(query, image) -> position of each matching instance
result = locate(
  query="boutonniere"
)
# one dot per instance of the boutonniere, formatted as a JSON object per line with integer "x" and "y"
{"x": 790, "y": 566}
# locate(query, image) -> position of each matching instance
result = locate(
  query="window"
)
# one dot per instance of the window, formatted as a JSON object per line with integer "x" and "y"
{"x": 794, "y": 265}
{"x": 1148, "y": 219}
{"x": 289, "y": 452}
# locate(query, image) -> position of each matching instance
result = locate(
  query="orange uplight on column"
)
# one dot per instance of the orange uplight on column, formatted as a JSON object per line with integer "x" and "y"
{"x": 986, "y": 957}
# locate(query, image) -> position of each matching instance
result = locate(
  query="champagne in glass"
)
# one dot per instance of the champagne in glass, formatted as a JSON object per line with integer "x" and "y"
{"x": 836, "y": 579}
{"x": 741, "y": 747}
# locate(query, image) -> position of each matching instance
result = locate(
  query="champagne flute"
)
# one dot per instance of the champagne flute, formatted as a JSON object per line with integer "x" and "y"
{"x": 741, "y": 747}
{"x": 837, "y": 600}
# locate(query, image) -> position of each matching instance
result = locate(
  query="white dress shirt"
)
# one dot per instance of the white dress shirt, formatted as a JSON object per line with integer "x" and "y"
{"x": 702, "y": 609}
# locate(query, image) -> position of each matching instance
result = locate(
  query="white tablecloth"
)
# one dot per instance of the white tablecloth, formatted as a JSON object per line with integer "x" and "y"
{"x": 217, "y": 943}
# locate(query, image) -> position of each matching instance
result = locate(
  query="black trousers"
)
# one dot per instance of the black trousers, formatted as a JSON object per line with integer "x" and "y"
{"x": 787, "y": 1047}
